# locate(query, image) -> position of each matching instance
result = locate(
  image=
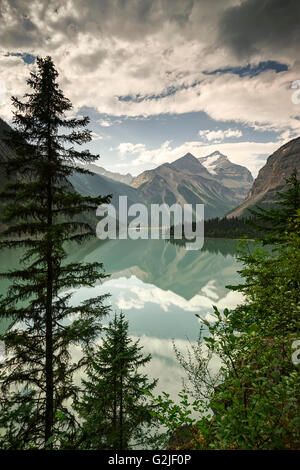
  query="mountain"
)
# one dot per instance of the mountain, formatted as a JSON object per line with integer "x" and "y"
{"x": 95, "y": 185}
{"x": 99, "y": 170}
{"x": 189, "y": 164}
{"x": 89, "y": 185}
{"x": 271, "y": 178}
{"x": 4, "y": 149}
{"x": 186, "y": 181}
{"x": 236, "y": 177}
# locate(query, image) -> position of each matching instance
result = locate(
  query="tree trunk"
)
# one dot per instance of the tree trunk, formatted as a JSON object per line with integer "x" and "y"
{"x": 49, "y": 359}
{"x": 115, "y": 412}
{"x": 49, "y": 417}
{"x": 121, "y": 412}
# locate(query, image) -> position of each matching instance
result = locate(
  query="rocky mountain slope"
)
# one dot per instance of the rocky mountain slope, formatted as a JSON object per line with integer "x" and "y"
{"x": 95, "y": 185}
{"x": 186, "y": 181}
{"x": 4, "y": 149}
{"x": 99, "y": 170}
{"x": 213, "y": 181}
{"x": 236, "y": 177}
{"x": 90, "y": 185}
{"x": 271, "y": 178}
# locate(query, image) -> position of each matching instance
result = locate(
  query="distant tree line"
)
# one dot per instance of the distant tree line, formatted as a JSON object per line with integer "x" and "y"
{"x": 233, "y": 227}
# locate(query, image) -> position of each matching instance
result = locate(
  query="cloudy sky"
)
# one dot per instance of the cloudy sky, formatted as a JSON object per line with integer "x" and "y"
{"x": 160, "y": 78}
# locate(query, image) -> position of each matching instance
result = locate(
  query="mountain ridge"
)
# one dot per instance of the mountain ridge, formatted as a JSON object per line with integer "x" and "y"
{"x": 271, "y": 178}
{"x": 99, "y": 170}
{"x": 88, "y": 185}
{"x": 186, "y": 181}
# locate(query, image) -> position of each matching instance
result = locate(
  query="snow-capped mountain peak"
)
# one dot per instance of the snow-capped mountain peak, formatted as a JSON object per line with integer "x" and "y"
{"x": 211, "y": 160}
{"x": 230, "y": 174}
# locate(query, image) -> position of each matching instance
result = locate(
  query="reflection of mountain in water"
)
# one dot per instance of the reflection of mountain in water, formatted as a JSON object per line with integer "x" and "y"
{"x": 160, "y": 287}
{"x": 154, "y": 262}
{"x": 165, "y": 265}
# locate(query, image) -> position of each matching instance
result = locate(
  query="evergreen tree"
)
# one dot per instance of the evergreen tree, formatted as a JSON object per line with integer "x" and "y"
{"x": 254, "y": 395}
{"x": 265, "y": 273}
{"x": 234, "y": 227}
{"x": 42, "y": 212}
{"x": 114, "y": 408}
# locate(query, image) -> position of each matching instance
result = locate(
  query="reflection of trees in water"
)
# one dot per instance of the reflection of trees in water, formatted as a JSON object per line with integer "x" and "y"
{"x": 221, "y": 246}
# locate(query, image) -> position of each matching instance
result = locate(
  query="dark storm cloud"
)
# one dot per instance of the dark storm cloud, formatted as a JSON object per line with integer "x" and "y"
{"x": 23, "y": 22}
{"x": 252, "y": 26}
{"x": 134, "y": 19}
{"x": 16, "y": 26}
{"x": 261, "y": 26}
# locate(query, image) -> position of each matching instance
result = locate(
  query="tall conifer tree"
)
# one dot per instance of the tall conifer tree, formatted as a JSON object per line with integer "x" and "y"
{"x": 115, "y": 409}
{"x": 42, "y": 213}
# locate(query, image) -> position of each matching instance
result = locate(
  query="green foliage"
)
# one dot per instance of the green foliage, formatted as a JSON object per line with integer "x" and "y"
{"x": 234, "y": 227}
{"x": 115, "y": 409}
{"x": 254, "y": 394}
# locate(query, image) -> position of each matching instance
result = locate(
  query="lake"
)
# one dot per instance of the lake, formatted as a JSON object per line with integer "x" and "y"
{"x": 159, "y": 287}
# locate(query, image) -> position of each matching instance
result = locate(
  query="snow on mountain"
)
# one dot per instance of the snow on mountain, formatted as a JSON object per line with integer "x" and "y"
{"x": 235, "y": 177}
{"x": 210, "y": 161}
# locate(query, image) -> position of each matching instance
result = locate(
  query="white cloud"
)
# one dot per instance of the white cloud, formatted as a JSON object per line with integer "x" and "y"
{"x": 104, "y": 122}
{"x": 107, "y": 122}
{"x": 219, "y": 135}
{"x": 96, "y": 136}
{"x": 255, "y": 101}
{"x": 126, "y": 147}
